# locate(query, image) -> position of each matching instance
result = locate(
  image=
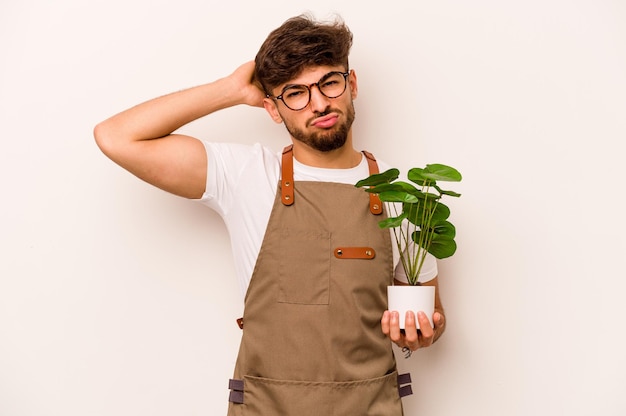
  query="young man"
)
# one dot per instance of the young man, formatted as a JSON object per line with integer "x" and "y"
{"x": 309, "y": 254}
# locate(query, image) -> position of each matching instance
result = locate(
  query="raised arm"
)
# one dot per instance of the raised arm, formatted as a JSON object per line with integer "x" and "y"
{"x": 140, "y": 139}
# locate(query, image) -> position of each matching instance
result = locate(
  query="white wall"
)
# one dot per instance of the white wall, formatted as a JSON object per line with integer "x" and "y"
{"x": 116, "y": 298}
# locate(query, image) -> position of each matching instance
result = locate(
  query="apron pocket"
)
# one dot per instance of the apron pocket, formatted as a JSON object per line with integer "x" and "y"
{"x": 307, "y": 280}
{"x": 372, "y": 397}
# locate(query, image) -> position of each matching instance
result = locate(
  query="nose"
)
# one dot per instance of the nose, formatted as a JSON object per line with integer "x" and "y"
{"x": 319, "y": 102}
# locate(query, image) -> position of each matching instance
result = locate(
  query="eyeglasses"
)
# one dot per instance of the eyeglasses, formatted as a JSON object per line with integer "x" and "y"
{"x": 297, "y": 97}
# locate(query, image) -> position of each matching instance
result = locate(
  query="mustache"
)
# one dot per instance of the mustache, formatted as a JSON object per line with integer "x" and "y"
{"x": 322, "y": 113}
{"x": 326, "y": 112}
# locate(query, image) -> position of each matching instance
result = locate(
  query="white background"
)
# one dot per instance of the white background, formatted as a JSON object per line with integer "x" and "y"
{"x": 119, "y": 299}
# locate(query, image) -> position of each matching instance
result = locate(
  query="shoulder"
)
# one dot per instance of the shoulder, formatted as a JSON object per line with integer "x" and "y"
{"x": 231, "y": 161}
{"x": 237, "y": 152}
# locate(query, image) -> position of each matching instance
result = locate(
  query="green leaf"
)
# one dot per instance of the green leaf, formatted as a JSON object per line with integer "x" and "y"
{"x": 419, "y": 215}
{"x": 439, "y": 172}
{"x": 449, "y": 193}
{"x": 429, "y": 196}
{"x": 445, "y": 229}
{"x": 397, "y": 196}
{"x": 379, "y": 178}
{"x": 384, "y": 187}
{"x": 407, "y": 187}
{"x": 440, "y": 246}
{"x": 416, "y": 175}
{"x": 442, "y": 212}
{"x": 392, "y": 221}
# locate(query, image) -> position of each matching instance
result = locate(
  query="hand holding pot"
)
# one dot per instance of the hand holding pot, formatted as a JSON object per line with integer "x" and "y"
{"x": 411, "y": 337}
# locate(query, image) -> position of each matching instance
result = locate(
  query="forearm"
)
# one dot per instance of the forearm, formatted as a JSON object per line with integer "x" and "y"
{"x": 163, "y": 115}
{"x": 175, "y": 163}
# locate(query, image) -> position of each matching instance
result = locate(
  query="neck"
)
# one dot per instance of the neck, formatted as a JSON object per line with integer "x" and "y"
{"x": 343, "y": 158}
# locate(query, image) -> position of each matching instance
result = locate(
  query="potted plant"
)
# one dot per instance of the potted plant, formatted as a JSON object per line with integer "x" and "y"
{"x": 419, "y": 221}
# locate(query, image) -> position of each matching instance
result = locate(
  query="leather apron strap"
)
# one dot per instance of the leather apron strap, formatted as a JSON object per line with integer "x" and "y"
{"x": 286, "y": 179}
{"x": 376, "y": 206}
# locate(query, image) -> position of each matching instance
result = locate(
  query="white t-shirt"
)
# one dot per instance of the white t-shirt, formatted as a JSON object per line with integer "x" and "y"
{"x": 242, "y": 181}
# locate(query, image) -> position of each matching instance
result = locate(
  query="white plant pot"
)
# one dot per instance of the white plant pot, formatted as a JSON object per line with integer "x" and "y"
{"x": 411, "y": 298}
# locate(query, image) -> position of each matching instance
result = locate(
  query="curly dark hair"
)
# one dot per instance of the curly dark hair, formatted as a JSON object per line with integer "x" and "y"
{"x": 299, "y": 43}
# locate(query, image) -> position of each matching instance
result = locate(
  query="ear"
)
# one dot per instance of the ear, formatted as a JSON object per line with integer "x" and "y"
{"x": 354, "y": 88}
{"x": 272, "y": 110}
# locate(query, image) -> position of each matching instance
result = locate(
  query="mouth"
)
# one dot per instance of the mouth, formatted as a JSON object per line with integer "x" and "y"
{"x": 326, "y": 121}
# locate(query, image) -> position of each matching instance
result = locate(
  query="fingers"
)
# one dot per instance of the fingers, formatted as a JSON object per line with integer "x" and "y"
{"x": 411, "y": 337}
{"x": 246, "y": 84}
{"x": 390, "y": 324}
{"x": 394, "y": 328}
{"x": 384, "y": 322}
{"x": 438, "y": 319}
{"x": 427, "y": 332}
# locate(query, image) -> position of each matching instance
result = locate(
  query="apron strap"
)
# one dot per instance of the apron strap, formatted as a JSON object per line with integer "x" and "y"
{"x": 404, "y": 384}
{"x": 376, "y": 206}
{"x": 236, "y": 391}
{"x": 286, "y": 179}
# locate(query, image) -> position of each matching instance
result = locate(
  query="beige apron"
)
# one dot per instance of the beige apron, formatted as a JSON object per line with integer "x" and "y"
{"x": 312, "y": 343}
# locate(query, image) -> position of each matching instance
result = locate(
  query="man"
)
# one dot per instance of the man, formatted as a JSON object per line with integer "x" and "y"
{"x": 308, "y": 251}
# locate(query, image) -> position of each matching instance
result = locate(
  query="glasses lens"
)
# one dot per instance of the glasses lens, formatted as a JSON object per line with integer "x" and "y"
{"x": 296, "y": 97}
{"x": 333, "y": 85}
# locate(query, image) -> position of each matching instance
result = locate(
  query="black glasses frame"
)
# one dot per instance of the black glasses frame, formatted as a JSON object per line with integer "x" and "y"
{"x": 308, "y": 88}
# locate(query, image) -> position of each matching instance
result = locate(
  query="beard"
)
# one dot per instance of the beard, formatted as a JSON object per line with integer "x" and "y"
{"x": 328, "y": 140}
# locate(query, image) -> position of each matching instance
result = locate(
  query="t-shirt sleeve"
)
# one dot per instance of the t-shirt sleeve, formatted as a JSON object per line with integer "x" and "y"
{"x": 224, "y": 165}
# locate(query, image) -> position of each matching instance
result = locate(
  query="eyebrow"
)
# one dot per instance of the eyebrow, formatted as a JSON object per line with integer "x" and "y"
{"x": 292, "y": 85}
{"x": 306, "y": 85}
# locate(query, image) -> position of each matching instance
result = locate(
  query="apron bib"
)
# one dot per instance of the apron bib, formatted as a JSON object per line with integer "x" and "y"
{"x": 312, "y": 342}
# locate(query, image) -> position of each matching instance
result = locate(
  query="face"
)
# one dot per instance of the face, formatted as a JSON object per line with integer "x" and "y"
{"x": 325, "y": 123}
